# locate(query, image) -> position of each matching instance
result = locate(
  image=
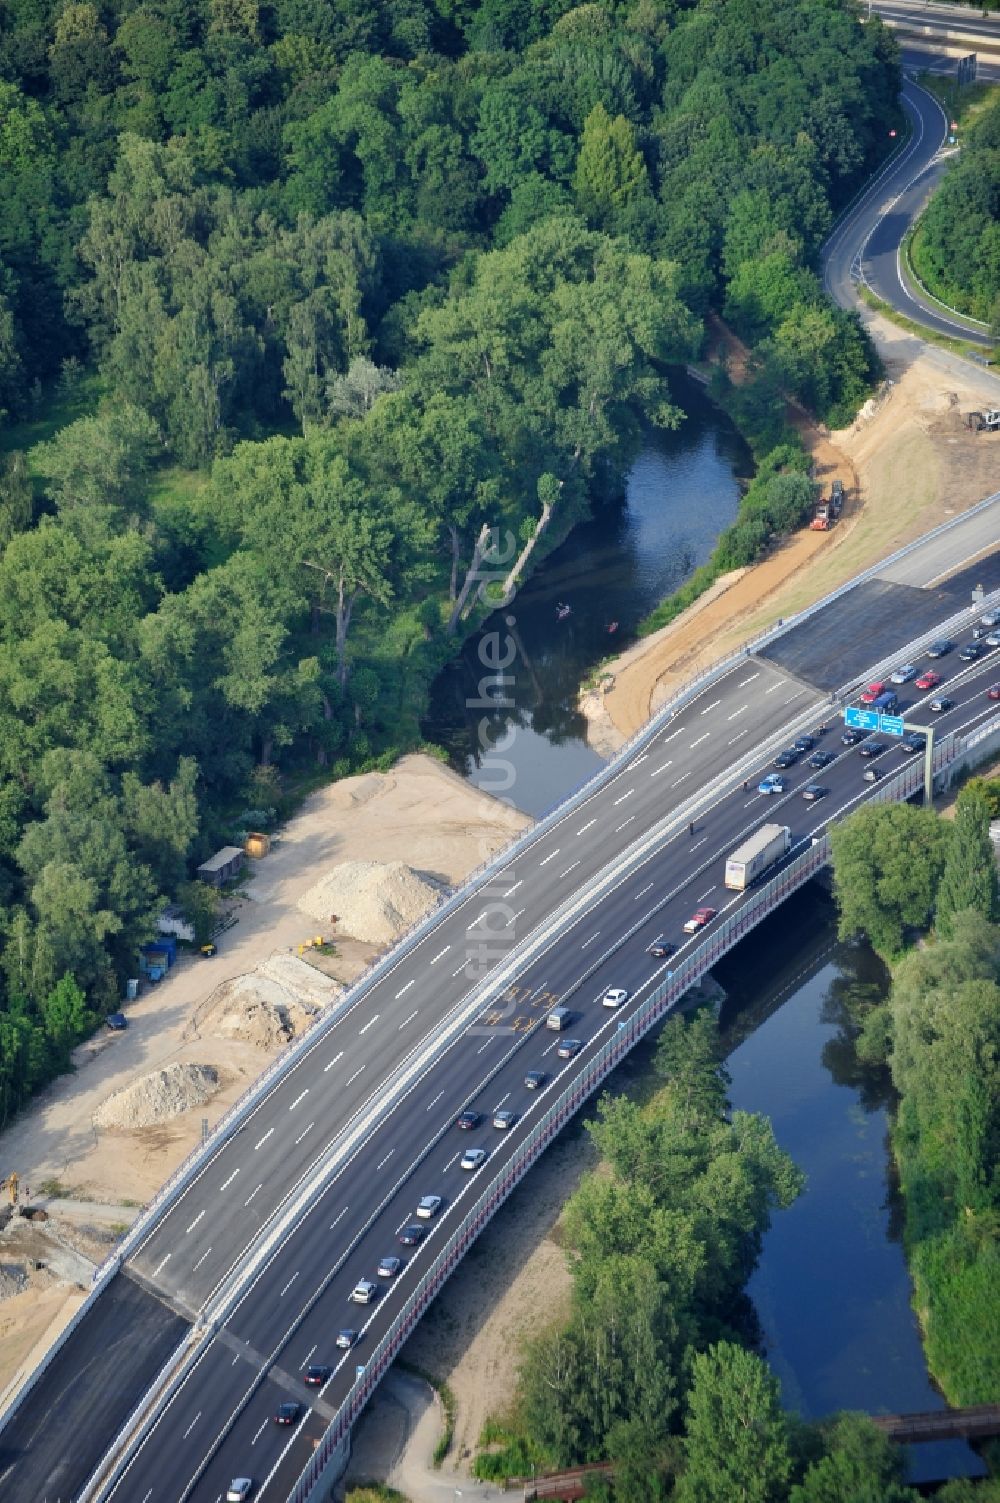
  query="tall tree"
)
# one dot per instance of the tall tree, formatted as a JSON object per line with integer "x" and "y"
{"x": 969, "y": 878}
{"x": 736, "y": 1442}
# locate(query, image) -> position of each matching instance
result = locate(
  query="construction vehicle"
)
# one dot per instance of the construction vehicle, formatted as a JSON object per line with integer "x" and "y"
{"x": 821, "y": 518}
{"x": 984, "y": 422}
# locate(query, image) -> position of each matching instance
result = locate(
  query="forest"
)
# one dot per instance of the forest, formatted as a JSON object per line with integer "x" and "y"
{"x": 956, "y": 246}
{"x": 657, "y": 1368}
{"x": 901, "y": 875}
{"x": 307, "y": 312}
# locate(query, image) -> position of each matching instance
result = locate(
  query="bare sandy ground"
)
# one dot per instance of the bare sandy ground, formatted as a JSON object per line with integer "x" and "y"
{"x": 420, "y": 812}
{"x": 906, "y": 468}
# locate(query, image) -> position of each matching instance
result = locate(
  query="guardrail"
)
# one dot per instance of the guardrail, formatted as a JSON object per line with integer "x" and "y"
{"x": 676, "y": 983}
{"x": 479, "y": 877}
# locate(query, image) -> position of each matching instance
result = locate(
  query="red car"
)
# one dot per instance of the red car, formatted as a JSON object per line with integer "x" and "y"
{"x": 871, "y": 694}
{"x": 993, "y": 692}
{"x": 699, "y": 920}
{"x": 928, "y": 680}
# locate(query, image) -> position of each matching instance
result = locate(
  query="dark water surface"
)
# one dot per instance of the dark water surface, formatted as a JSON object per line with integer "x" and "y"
{"x": 832, "y": 1291}
{"x": 681, "y": 492}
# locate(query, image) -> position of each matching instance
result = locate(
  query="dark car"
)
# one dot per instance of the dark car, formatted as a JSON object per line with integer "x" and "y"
{"x": 970, "y": 652}
{"x": 569, "y": 1047}
{"x": 912, "y": 742}
{"x": 941, "y": 704}
{"x": 821, "y": 759}
{"x": 287, "y": 1414}
{"x": 872, "y": 774}
{"x": 389, "y": 1267}
{"x": 317, "y": 1374}
{"x": 804, "y": 743}
{"x": 468, "y": 1120}
{"x": 535, "y": 1079}
{"x": 661, "y": 947}
{"x": 116, "y": 1021}
{"x": 411, "y": 1235}
{"x": 812, "y": 793}
{"x": 872, "y": 749}
{"x": 941, "y": 648}
{"x": 851, "y": 738}
{"x": 787, "y": 758}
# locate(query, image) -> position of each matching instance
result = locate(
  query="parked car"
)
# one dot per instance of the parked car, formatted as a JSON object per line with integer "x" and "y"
{"x": 872, "y": 749}
{"x": 940, "y": 648}
{"x": 699, "y": 919}
{"x": 389, "y": 1267}
{"x": 473, "y": 1158}
{"x": 287, "y": 1414}
{"x": 871, "y": 694}
{"x": 535, "y": 1079}
{"x": 116, "y": 1021}
{"x": 614, "y": 996}
{"x": 468, "y": 1120}
{"x": 568, "y": 1048}
{"x": 941, "y": 704}
{"x": 771, "y": 784}
{"x": 904, "y": 674}
{"x": 812, "y": 793}
{"x": 428, "y": 1206}
{"x": 661, "y": 947}
{"x": 928, "y": 679}
{"x": 821, "y": 759}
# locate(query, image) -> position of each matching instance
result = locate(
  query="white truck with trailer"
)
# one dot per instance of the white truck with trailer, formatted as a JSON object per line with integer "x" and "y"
{"x": 757, "y": 853}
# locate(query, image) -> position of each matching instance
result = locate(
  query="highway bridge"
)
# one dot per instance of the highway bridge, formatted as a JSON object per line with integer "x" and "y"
{"x": 240, "y": 1277}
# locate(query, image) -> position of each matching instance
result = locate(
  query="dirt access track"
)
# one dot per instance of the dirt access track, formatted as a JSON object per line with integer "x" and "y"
{"x": 908, "y": 463}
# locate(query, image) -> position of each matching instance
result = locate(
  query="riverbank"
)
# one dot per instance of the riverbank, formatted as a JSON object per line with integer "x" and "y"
{"x": 912, "y": 463}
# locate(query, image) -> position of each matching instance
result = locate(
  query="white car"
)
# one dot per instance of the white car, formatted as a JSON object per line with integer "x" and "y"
{"x": 991, "y": 618}
{"x": 473, "y": 1158}
{"x": 993, "y": 640}
{"x": 364, "y": 1292}
{"x": 904, "y": 674}
{"x": 615, "y": 996}
{"x": 239, "y": 1489}
{"x": 428, "y": 1207}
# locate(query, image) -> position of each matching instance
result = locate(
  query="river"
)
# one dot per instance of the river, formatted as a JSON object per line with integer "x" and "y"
{"x": 832, "y": 1289}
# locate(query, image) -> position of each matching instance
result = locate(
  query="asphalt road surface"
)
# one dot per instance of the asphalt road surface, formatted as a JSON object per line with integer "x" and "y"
{"x": 865, "y": 245}
{"x": 306, "y": 1114}
{"x": 222, "y": 1421}
{"x": 940, "y": 20}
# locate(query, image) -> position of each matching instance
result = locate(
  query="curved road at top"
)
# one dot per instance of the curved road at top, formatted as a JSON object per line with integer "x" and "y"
{"x": 865, "y": 246}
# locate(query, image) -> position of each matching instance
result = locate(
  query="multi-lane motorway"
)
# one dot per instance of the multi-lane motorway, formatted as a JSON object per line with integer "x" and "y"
{"x": 257, "y": 1354}
{"x": 293, "y": 1312}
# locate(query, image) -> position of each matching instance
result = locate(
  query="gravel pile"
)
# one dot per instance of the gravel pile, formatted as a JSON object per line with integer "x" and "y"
{"x": 374, "y": 901}
{"x": 158, "y": 1096}
{"x": 256, "y": 1009}
{"x": 13, "y": 1279}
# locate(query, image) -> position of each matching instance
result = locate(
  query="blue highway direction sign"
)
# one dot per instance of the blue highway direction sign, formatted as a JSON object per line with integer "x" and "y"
{"x": 892, "y": 725}
{"x": 861, "y": 720}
